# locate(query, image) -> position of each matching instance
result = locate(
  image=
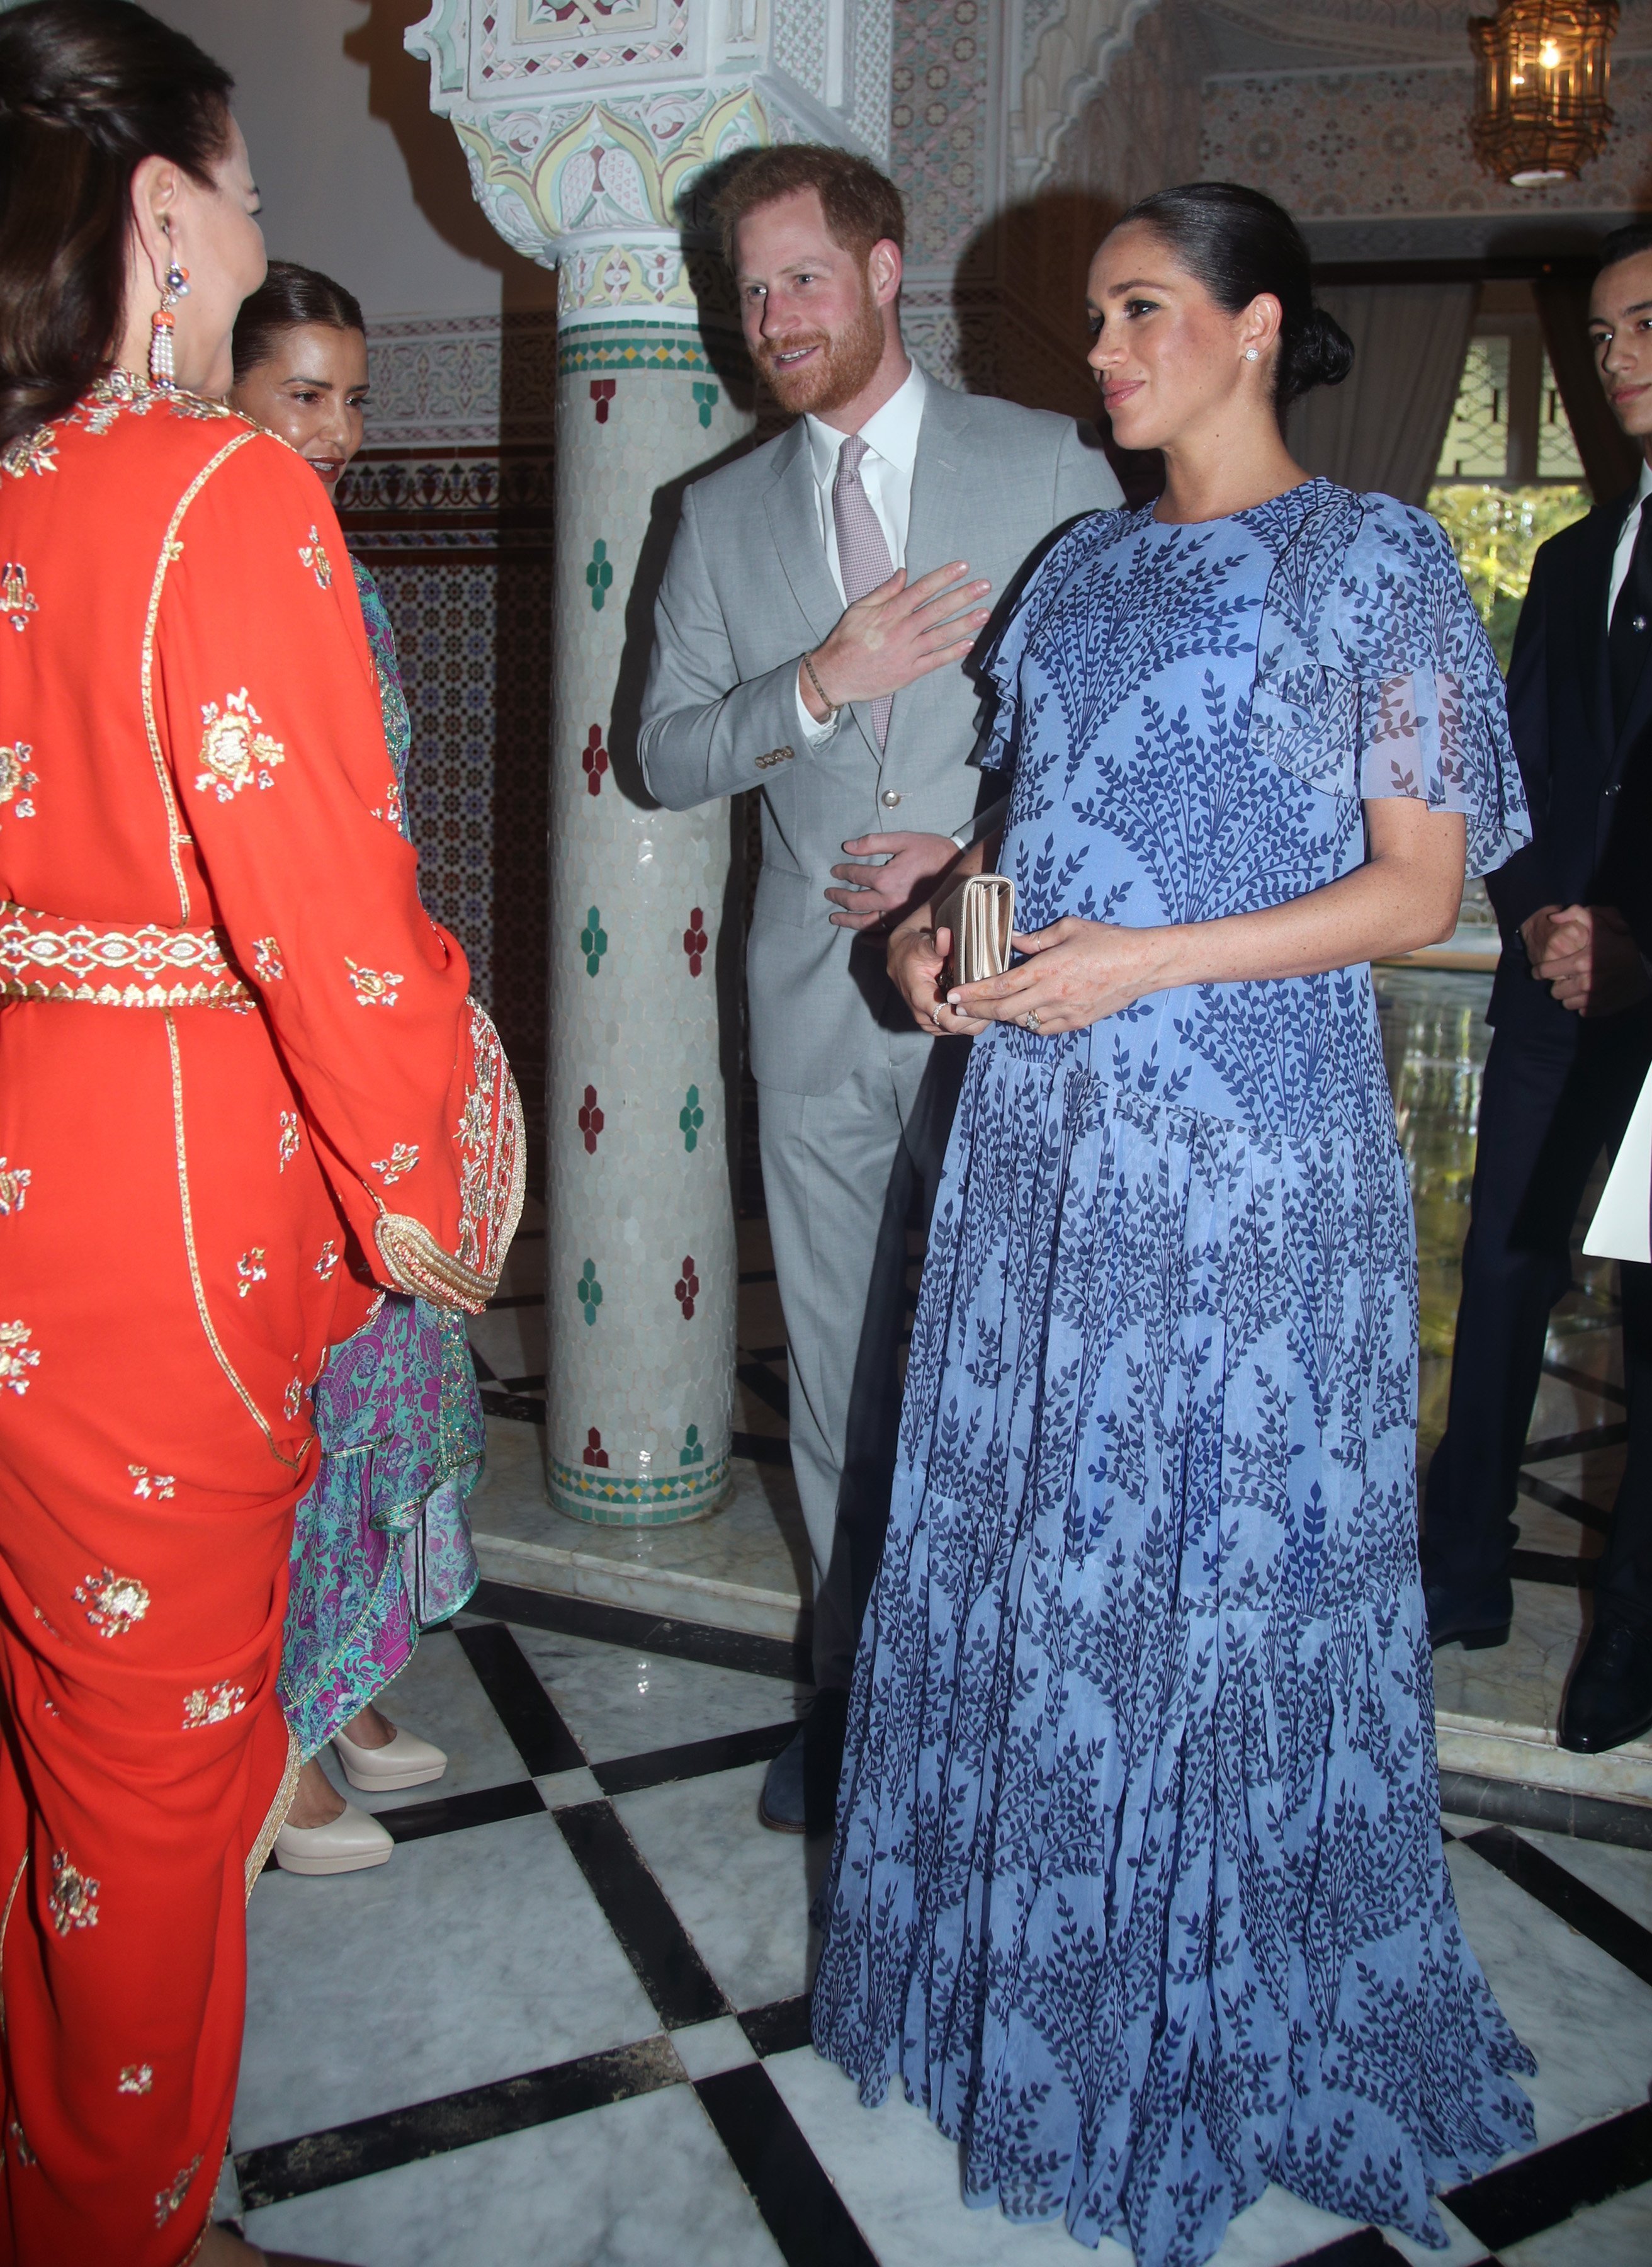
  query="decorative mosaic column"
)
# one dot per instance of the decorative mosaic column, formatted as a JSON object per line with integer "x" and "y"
{"x": 586, "y": 129}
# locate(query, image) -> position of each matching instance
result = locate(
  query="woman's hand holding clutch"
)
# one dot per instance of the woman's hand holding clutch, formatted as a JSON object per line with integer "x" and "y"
{"x": 1074, "y": 973}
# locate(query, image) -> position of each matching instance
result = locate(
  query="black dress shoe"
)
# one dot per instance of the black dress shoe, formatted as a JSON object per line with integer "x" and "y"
{"x": 1472, "y": 1621}
{"x": 1609, "y": 1700}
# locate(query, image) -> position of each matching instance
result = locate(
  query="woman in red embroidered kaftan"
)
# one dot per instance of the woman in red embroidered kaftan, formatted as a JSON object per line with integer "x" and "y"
{"x": 241, "y": 1088}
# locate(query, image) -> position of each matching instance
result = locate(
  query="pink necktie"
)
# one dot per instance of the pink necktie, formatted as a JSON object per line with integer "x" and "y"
{"x": 862, "y": 555}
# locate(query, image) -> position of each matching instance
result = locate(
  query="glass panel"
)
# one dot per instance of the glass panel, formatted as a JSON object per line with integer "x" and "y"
{"x": 1557, "y": 452}
{"x": 1495, "y": 533}
{"x": 1476, "y": 438}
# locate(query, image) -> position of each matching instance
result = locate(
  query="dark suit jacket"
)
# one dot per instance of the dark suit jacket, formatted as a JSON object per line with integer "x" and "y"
{"x": 1589, "y": 789}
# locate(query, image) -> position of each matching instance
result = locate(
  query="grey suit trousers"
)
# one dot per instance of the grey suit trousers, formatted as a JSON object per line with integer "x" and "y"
{"x": 845, "y": 1175}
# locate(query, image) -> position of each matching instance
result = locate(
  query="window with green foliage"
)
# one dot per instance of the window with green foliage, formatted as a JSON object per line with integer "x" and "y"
{"x": 1509, "y": 474}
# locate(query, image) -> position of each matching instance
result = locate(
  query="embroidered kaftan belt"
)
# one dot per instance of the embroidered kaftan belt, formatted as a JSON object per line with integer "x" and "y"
{"x": 115, "y": 963}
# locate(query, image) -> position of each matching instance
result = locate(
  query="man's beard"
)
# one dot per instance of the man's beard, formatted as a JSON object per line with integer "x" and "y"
{"x": 835, "y": 376}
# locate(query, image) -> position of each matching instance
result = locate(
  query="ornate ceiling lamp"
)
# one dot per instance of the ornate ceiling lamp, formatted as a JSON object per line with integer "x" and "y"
{"x": 1544, "y": 66}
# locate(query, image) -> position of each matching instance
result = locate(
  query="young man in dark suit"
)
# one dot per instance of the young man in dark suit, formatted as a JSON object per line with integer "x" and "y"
{"x": 1572, "y": 1014}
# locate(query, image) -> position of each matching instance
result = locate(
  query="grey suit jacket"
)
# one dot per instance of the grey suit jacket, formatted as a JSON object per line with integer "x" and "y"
{"x": 747, "y": 591}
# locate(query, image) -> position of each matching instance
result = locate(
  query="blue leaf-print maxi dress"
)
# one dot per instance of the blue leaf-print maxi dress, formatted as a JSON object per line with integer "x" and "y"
{"x": 381, "y": 1544}
{"x": 1138, "y": 1884}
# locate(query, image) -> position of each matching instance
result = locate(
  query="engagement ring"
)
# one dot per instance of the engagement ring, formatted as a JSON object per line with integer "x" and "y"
{"x": 1031, "y": 1019}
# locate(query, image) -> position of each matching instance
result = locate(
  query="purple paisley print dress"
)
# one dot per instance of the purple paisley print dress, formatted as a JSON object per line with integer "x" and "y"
{"x": 381, "y": 1544}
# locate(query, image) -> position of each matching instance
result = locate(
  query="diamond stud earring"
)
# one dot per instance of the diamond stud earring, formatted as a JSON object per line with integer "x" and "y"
{"x": 1250, "y": 354}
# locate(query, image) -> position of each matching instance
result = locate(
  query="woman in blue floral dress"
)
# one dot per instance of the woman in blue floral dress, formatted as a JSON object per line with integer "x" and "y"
{"x": 1138, "y": 1885}
{"x": 381, "y": 1545}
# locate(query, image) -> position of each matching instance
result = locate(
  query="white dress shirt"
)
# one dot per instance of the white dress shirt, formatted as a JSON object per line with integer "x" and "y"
{"x": 1625, "y": 551}
{"x": 886, "y": 474}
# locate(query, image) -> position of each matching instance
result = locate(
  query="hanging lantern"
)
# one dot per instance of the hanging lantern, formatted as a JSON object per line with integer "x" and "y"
{"x": 1543, "y": 68}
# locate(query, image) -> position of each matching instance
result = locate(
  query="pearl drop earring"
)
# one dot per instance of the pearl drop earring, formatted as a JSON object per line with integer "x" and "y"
{"x": 161, "y": 322}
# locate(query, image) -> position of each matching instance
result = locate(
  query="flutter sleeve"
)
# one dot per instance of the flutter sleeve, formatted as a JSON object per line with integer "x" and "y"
{"x": 266, "y": 713}
{"x": 1375, "y": 678}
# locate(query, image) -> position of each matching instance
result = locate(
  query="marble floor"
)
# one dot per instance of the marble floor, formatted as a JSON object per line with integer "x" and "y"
{"x": 566, "y": 2024}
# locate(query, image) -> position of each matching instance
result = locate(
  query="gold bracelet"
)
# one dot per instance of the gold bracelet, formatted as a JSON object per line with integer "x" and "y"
{"x": 832, "y": 706}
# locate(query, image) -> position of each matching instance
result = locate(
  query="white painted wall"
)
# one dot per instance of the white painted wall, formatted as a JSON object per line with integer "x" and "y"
{"x": 358, "y": 179}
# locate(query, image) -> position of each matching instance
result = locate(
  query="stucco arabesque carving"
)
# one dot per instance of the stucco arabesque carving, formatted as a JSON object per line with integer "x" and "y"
{"x": 1063, "y": 57}
{"x": 603, "y": 188}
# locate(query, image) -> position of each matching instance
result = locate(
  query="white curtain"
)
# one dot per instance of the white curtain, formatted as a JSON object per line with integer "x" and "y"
{"x": 1383, "y": 427}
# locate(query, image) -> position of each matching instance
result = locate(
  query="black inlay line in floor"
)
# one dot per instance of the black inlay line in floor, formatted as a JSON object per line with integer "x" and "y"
{"x": 1540, "y": 1491}
{"x": 523, "y": 1706}
{"x": 522, "y": 1385}
{"x": 451, "y": 1813}
{"x": 757, "y": 1274}
{"x": 1552, "y": 1566}
{"x": 802, "y": 2210}
{"x": 478, "y": 1363}
{"x": 779, "y": 2027}
{"x": 1367, "y": 2246}
{"x": 759, "y": 1448}
{"x": 285, "y": 2169}
{"x": 1602, "y": 1388}
{"x": 635, "y": 1906}
{"x": 1574, "y": 1444}
{"x": 643, "y": 1632}
{"x": 1579, "y": 1906}
{"x": 529, "y": 1236}
{"x": 1541, "y": 2190}
{"x": 767, "y": 1387}
{"x": 515, "y": 1299}
{"x": 519, "y": 1408}
{"x": 694, "y": 1759}
{"x": 766, "y": 1354}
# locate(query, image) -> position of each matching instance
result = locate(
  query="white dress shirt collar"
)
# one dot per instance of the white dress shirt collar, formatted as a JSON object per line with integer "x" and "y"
{"x": 1624, "y": 550}
{"x": 890, "y": 432}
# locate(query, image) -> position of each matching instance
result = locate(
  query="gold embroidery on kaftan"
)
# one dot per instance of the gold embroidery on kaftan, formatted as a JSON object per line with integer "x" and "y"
{"x": 136, "y": 2078}
{"x": 14, "y": 1186}
{"x": 293, "y": 1400}
{"x": 31, "y": 452}
{"x": 328, "y": 1261}
{"x": 42, "y": 959}
{"x": 235, "y": 753}
{"x": 19, "y": 2142}
{"x": 250, "y": 1269}
{"x": 167, "y": 2200}
{"x": 313, "y": 555}
{"x": 198, "y": 1288}
{"x": 17, "y": 1357}
{"x": 171, "y": 550}
{"x": 160, "y": 1485}
{"x": 266, "y": 960}
{"x": 73, "y": 1899}
{"x": 372, "y": 989}
{"x": 18, "y": 602}
{"x": 402, "y": 1159}
{"x": 213, "y": 1704}
{"x": 289, "y": 1138}
{"x": 114, "y": 1603}
{"x": 17, "y": 782}
{"x": 493, "y": 1170}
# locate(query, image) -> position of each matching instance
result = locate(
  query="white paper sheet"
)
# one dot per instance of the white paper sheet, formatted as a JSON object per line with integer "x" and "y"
{"x": 1622, "y": 1225}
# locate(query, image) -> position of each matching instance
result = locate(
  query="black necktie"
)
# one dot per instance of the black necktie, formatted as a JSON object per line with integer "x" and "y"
{"x": 1630, "y": 636}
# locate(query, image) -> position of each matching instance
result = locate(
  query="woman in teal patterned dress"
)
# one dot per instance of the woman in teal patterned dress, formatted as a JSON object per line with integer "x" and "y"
{"x": 381, "y": 1545}
{"x": 1138, "y": 1885}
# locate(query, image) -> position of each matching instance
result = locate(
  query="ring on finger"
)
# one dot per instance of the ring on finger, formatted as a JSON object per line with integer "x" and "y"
{"x": 1031, "y": 1020}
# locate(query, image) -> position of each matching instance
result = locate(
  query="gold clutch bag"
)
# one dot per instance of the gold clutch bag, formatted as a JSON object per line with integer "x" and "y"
{"x": 980, "y": 911}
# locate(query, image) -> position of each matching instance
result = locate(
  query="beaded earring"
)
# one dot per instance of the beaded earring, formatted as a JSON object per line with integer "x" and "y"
{"x": 162, "y": 324}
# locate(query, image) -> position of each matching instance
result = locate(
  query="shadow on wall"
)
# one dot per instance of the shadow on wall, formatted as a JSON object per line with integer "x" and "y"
{"x": 1018, "y": 303}
{"x": 399, "y": 92}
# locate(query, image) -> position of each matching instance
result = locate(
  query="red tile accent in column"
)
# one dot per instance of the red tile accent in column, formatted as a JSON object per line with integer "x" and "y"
{"x": 688, "y": 1289}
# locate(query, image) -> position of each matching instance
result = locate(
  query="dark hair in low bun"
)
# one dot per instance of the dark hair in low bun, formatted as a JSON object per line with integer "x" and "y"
{"x": 1239, "y": 243}
{"x": 289, "y": 298}
{"x": 88, "y": 89}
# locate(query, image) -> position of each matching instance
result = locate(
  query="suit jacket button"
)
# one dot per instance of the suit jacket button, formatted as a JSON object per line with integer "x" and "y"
{"x": 889, "y": 798}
